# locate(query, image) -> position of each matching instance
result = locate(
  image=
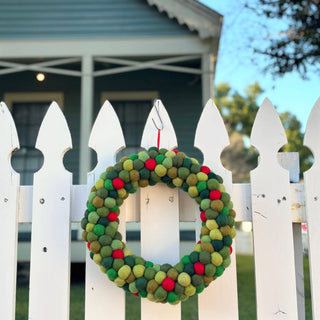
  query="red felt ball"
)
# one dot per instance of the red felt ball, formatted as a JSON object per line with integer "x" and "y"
{"x": 118, "y": 183}
{"x": 136, "y": 294}
{"x": 215, "y": 195}
{"x": 203, "y": 216}
{"x": 168, "y": 284}
{"x": 117, "y": 254}
{"x": 150, "y": 164}
{"x": 205, "y": 169}
{"x": 198, "y": 268}
{"x": 88, "y": 245}
{"x": 175, "y": 151}
{"x": 199, "y": 242}
{"x": 230, "y": 249}
{"x": 112, "y": 216}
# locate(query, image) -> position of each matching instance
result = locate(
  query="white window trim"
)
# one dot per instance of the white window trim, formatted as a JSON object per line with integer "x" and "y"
{"x": 15, "y": 97}
{"x": 128, "y": 96}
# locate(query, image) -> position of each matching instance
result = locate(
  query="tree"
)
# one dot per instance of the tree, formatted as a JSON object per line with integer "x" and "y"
{"x": 297, "y": 46}
{"x": 239, "y": 112}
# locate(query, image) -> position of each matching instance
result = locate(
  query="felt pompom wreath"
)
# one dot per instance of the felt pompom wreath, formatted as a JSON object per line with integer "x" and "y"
{"x": 159, "y": 283}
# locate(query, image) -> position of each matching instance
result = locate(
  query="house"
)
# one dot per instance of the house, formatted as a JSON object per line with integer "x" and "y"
{"x": 127, "y": 51}
{"x": 82, "y": 52}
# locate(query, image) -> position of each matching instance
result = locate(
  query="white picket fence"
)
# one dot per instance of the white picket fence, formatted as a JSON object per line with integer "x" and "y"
{"x": 275, "y": 206}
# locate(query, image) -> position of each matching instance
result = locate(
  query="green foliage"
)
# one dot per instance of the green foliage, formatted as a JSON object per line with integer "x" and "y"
{"x": 297, "y": 46}
{"x": 239, "y": 112}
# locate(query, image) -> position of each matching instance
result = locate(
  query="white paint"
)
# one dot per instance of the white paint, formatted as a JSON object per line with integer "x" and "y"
{"x": 272, "y": 227}
{"x": 224, "y": 305}
{"x": 50, "y": 242}
{"x": 311, "y": 177}
{"x": 9, "y": 195}
{"x": 159, "y": 214}
{"x": 101, "y": 293}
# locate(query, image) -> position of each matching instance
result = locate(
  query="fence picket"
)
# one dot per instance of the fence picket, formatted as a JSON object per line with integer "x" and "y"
{"x": 9, "y": 195}
{"x": 311, "y": 177}
{"x": 159, "y": 215}
{"x": 102, "y": 296}
{"x": 221, "y": 295}
{"x": 272, "y": 223}
{"x": 50, "y": 242}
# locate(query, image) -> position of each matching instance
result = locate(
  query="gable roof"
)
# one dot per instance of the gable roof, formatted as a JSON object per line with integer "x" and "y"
{"x": 192, "y": 13}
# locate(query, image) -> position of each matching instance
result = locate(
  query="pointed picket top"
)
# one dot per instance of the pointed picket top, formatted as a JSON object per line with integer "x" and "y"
{"x": 106, "y": 136}
{"x": 9, "y": 140}
{"x": 54, "y": 138}
{"x": 268, "y": 134}
{"x": 211, "y": 136}
{"x": 159, "y": 119}
{"x": 311, "y": 137}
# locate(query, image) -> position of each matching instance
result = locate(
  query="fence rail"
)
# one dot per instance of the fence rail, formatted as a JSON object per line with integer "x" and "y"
{"x": 275, "y": 206}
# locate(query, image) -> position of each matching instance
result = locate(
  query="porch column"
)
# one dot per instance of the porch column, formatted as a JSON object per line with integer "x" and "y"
{"x": 85, "y": 116}
{"x": 207, "y": 67}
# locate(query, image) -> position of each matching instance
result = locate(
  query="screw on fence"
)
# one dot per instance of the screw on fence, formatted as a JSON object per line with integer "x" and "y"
{"x": 44, "y": 249}
{"x": 171, "y": 199}
{"x": 41, "y": 201}
{"x": 5, "y": 199}
{"x": 62, "y": 198}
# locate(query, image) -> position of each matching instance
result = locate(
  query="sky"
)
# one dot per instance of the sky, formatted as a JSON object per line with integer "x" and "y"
{"x": 234, "y": 66}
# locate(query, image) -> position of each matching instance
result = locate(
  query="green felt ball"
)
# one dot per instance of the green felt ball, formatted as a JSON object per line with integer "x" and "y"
{"x": 153, "y": 153}
{"x": 163, "y": 151}
{"x": 139, "y": 261}
{"x": 133, "y": 156}
{"x": 141, "y": 283}
{"x": 188, "y": 268}
{"x": 98, "y": 185}
{"x": 91, "y": 207}
{"x": 202, "y": 177}
{"x": 91, "y": 236}
{"x": 226, "y": 263}
{"x": 205, "y": 239}
{"x": 229, "y": 205}
{"x": 183, "y": 173}
{"x": 207, "y": 246}
{"x": 128, "y": 187}
{"x": 99, "y": 229}
{"x": 154, "y": 177}
{"x": 149, "y": 273}
{"x": 192, "y": 180}
{"x": 103, "y": 212}
{"x": 109, "y": 202}
{"x": 198, "y": 199}
{"x": 110, "y": 231}
{"x": 196, "y": 280}
{"x": 172, "y": 172}
{"x": 181, "y": 154}
{"x": 103, "y": 175}
{"x": 195, "y": 168}
{"x": 211, "y": 214}
{"x": 124, "y": 272}
{"x": 230, "y": 221}
{"x": 190, "y": 290}
{"x": 106, "y": 251}
{"x": 225, "y": 252}
{"x": 177, "y": 161}
{"x": 184, "y": 279}
{"x": 93, "y": 217}
{"x": 200, "y": 289}
{"x": 160, "y": 276}
{"x": 194, "y": 257}
{"x": 117, "y": 264}
{"x": 219, "y": 271}
{"x": 187, "y": 163}
{"x": 205, "y": 257}
{"x": 213, "y": 184}
{"x": 86, "y": 213}
{"x": 157, "y": 267}
{"x": 165, "y": 267}
{"x": 210, "y": 270}
{"x": 183, "y": 298}
{"x": 130, "y": 261}
{"x": 170, "y": 154}
{"x": 128, "y": 165}
{"x": 225, "y": 231}
{"x": 152, "y": 286}
{"x": 123, "y": 159}
{"x": 160, "y": 294}
{"x": 112, "y": 174}
{"x": 118, "y": 166}
{"x": 97, "y": 258}
{"x": 184, "y": 186}
{"x": 119, "y": 282}
{"x": 134, "y": 176}
{"x": 102, "y": 193}
{"x": 227, "y": 241}
{"x": 143, "y": 156}
{"x": 216, "y": 259}
{"x": 114, "y": 224}
{"x": 143, "y": 294}
{"x": 172, "y": 297}
{"x": 148, "y": 264}
{"x": 205, "y": 204}
{"x": 225, "y": 211}
{"x": 116, "y": 244}
{"x": 177, "y": 182}
{"x": 178, "y": 289}
{"x": 133, "y": 288}
{"x": 215, "y": 234}
{"x": 201, "y": 185}
{"x": 138, "y": 270}
{"x": 144, "y": 174}
{"x": 84, "y": 235}
{"x": 160, "y": 170}
{"x": 108, "y": 185}
{"x": 204, "y": 194}
{"x": 138, "y": 164}
{"x": 173, "y": 274}
{"x": 107, "y": 262}
{"x": 89, "y": 227}
{"x": 222, "y": 220}
{"x": 113, "y": 194}
{"x": 167, "y": 162}
{"x": 112, "y": 274}
{"x": 193, "y": 191}
{"x": 179, "y": 267}
{"x": 217, "y": 245}
{"x": 124, "y": 176}
{"x": 185, "y": 259}
{"x": 225, "y": 198}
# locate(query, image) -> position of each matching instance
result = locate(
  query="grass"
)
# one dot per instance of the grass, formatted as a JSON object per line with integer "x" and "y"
{"x": 246, "y": 294}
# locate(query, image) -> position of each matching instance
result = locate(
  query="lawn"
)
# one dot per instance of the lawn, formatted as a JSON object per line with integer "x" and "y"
{"x": 246, "y": 293}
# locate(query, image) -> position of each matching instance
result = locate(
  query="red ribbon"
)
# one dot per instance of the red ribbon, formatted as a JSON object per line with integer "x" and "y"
{"x": 158, "y": 140}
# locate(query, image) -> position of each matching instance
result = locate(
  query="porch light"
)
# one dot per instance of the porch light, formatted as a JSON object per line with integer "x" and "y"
{"x": 40, "y": 76}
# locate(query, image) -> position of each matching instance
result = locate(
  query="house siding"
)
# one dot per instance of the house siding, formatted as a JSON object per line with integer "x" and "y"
{"x": 50, "y": 19}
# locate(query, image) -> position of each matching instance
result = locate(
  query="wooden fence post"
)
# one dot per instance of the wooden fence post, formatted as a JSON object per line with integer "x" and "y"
{"x": 9, "y": 195}
{"x": 50, "y": 240}
{"x": 272, "y": 222}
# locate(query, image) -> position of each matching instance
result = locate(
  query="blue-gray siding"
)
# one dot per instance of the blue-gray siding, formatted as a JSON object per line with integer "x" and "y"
{"x": 49, "y": 19}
